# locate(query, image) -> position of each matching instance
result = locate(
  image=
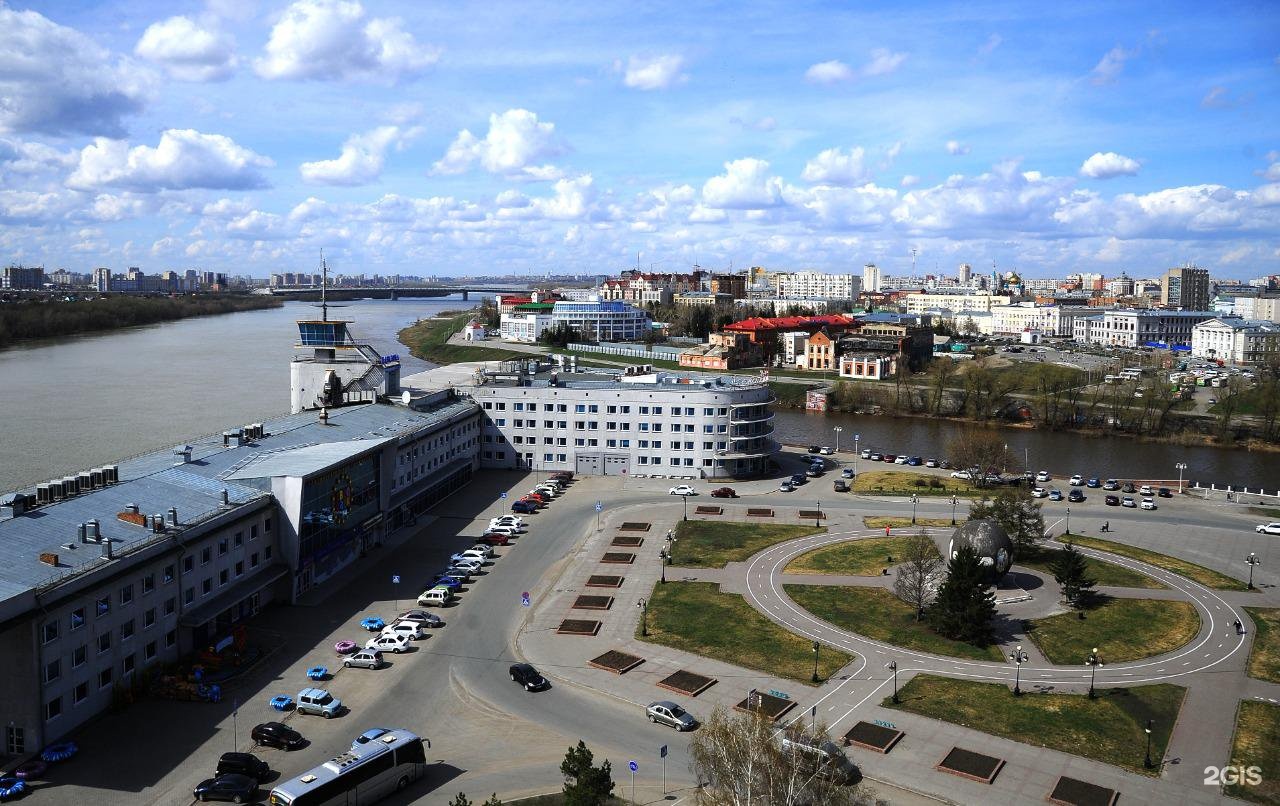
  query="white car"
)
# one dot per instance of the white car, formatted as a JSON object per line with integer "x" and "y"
{"x": 411, "y": 629}
{"x": 1077, "y": 480}
{"x": 1268, "y": 529}
{"x": 901, "y": 459}
{"x": 930, "y": 462}
{"x": 1043, "y": 475}
{"x": 825, "y": 451}
{"x": 1039, "y": 492}
{"x": 1128, "y": 502}
{"x": 962, "y": 474}
{"x": 1145, "y": 490}
{"x": 549, "y": 493}
{"x": 503, "y": 529}
{"x": 390, "y": 643}
{"x": 470, "y": 563}
{"x": 866, "y": 453}
{"x": 1148, "y": 503}
{"x": 682, "y": 489}
{"x": 482, "y": 549}
{"x": 507, "y": 520}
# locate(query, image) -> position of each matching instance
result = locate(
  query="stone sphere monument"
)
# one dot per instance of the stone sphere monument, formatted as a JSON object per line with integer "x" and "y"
{"x": 990, "y": 541}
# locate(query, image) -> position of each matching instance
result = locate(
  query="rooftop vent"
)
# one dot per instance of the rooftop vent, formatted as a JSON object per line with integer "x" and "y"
{"x": 97, "y": 478}
{"x": 182, "y": 455}
{"x": 14, "y": 505}
{"x": 49, "y": 558}
{"x": 44, "y": 494}
{"x": 111, "y": 474}
{"x": 157, "y": 523}
{"x": 86, "y": 480}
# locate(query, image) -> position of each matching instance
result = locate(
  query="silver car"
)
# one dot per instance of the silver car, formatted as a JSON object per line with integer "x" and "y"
{"x": 364, "y": 659}
{"x": 670, "y": 714}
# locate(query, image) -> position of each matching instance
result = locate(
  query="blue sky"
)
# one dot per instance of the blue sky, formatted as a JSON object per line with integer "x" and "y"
{"x": 455, "y": 138}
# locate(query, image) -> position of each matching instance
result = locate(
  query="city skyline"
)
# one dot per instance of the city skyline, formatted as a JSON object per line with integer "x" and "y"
{"x": 533, "y": 139}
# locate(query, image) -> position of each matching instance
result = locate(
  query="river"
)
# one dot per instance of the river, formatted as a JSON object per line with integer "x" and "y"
{"x": 73, "y": 403}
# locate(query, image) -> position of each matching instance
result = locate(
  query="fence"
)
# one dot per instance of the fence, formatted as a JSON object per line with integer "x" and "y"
{"x": 637, "y": 351}
{"x": 1229, "y": 493}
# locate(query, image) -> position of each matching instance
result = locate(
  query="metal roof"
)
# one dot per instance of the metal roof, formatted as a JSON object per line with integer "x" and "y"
{"x": 303, "y": 462}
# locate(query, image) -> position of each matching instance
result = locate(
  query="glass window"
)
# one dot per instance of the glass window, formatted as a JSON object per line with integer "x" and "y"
{"x": 80, "y": 693}
{"x": 240, "y": 568}
{"x": 223, "y": 576}
{"x": 104, "y": 642}
{"x": 104, "y": 677}
{"x": 253, "y": 560}
{"x": 49, "y": 631}
{"x": 127, "y": 665}
{"x": 149, "y": 651}
{"x": 171, "y": 638}
{"x": 170, "y": 605}
{"x": 53, "y": 708}
{"x": 266, "y": 527}
{"x": 78, "y": 656}
{"x": 167, "y": 575}
{"x": 126, "y": 594}
{"x": 126, "y": 630}
{"x": 52, "y": 670}
{"x": 206, "y": 555}
{"x": 238, "y": 540}
{"x": 223, "y": 545}
{"x": 206, "y": 585}
{"x": 188, "y": 596}
{"x": 149, "y": 618}
{"x": 188, "y": 563}
{"x": 103, "y": 606}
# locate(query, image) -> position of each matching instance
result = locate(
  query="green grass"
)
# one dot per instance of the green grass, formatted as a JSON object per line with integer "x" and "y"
{"x": 1198, "y": 573}
{"x": 1109, "y": 728}
{"x": 790, "y": 395}
{"x": 877, "y": 614}
{"x": 893, "y": 522}
{"x": 429, "y": 338}
{"x": 857, "y": 557}
{"x": 1104, "y": 573}
{"x": 696, "y": 617}
{"x": 904, "y": 481}
{"x": 1256, "y": 743}
{"x": 711, "y": 544}
{"x": 1264, "y": 657}
{"x": 1266, "y": 512}
{"x": 1121, "y": 629}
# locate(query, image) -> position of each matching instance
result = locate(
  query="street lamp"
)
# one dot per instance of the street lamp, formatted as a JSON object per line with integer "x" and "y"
{"x": 816, "y": 646}
{"x": 893, "y": 666}
{"x": 1093, "y": 662}
{"x": 914, "y": 500}
{"x": 1147, "y": 761}
{"x": 1068, "y": 521}
{"x": 685, "y": 498}
{"x": 1018, "y": 657}
{"x": 1252, "y": 560}
{"x": 954, "y": 500}
{"x": 1181, "y": 466}
{"x": 817, "y": 513}
{"x": 1026, "y": 459}
{"x": 838, "y": 429}
{"x": 856, "y": 438}
{"x": 662, "y": 559}
{"x": 643, "y": 604}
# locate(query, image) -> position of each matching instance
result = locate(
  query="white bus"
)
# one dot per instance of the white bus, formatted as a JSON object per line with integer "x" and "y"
{"x": 365, "y": 774}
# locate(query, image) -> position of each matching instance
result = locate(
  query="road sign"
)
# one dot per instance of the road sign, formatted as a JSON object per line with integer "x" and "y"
{"x": 599, "y": 507}
{"x": 502, "y": 495}
{"x": 631, "y": 765}
{"x": 662, "y": 751}
{"x": 524, "y": 599}
{"x": 395, "y": 579}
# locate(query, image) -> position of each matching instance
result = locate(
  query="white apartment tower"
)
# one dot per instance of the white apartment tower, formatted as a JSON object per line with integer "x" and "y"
{"x": 870, "y": 278}
{"x": 964, "y": 273}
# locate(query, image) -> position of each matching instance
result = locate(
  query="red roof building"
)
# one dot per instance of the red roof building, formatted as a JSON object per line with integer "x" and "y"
{"x": 759, "y": 327}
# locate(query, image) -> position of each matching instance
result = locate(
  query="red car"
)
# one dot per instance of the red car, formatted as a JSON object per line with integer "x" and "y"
{"x": 724, "y": 492}
{"x": 890, "y": 458}
{"x": 567, "y": 475}
{"x": 540, "y": 498}
{"x": 493, "y": 539}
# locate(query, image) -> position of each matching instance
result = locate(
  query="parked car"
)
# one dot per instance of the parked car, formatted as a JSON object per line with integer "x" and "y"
{"x": 467, "y": 556}
{"x": 1127, "y": 501}
{"x": 798, "y": 478}
{"x": 847, "y": 473}
{"x": 567, "y": 475}
{"x": 541, "y": 498}
{"x": 785, "y": 487}
{"x": 1272, "y": 528}
{"x": 1112, "y": 500}
{"x": 1148, "y": 503}
{"x": 670, "y": 714}
{"x": 724, "y": 492}
{"x": 1055, "y": 494}
{"x": 242, "y": 764}
{"x": 546, "y": 491}
{"x": 1129, "y": 488}
{"x": 890, "y": 458}
{"x": 422, "y": 617}
{"x": 276, "y": 734}
{"x": 814, "y": 449}
{"x": 1039, "y": 492}
{"x": 1145, "y": 490}
{"x": 1111, "y": 484}
{"x": 900, "y": 459}
{"x": 1165, "y": 492}
{"x": 825, "y": 451}
{"x": 962, "y": 474}
{"x": 412, "y": 630}
{"x": 230, "y": 787}
{"x": 453, "y": 581}
{"x": 528, "y": 678}
{"x": 494, "y": 539}
{"x": 1043, "y": 475}
{"x": 525, "y": 507}
{"x": 320, "y": 702}
{"x": 875, "y": 457}
{"x": 439, "y": 596}
{"x": 814, "y": 471}
{"x": 468, "y": 562}
{"x": 364, "y": 659}
{"x": 1077, "y": 480}
{"x": 682, "y": 489}
{"x": 504, "y": 529}
{"x": 390, "y": 643}
{"x": 840, "y": 486}
{"x": 1093, "y": 483}
{"x": 866, "y": 453}
{"x": 482, "y": 549}
{"x": 507, "y": 520}
{"x": 824, "y": 758}
{"x": 915, "y": 461}
{"x": 930, "y": 462}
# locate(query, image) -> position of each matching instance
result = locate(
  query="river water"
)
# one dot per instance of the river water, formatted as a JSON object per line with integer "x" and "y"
{"x": 69, "y": 404}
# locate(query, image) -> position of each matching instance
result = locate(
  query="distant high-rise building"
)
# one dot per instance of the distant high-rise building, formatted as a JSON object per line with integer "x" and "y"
{"x": 102, "y": 279}
{"x": 20, "y": 277}
{"x": 734, "y": 284}
{"x": 871, "y": 278}
{"x": 965, "y": 272}
{"x": 1186, "y": 287}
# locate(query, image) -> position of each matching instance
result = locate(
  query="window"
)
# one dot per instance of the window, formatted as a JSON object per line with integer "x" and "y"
{"x": 240, "y": 568}
{"x": 266, "y": 527}
{"x": 53, "y": 708}
{"x": 610, "y": 409}
{"x": 644, "y": 409}
{"x": 626, "y": 409}
{"x": 593, "y": 409}
{"x": 580, "y": 442}
{"x": 580, "y": 408}
{"x": 167, "y": 575}
{"x": 149, "y": 652}
{"x": 52, "y": 670}
{"x": 206, "y": 555}
{"x": 80, "y": 693}
{"x": 49, "y": 632}
{"x": 188, "y": 596}
{"x": 708, "y": 412}
{"x": 126, "y": 630}
{"x": 253, "y": 560}
{"x": 548, "y": 457}
{"x": 223, "y": 576}
{"x": 642, "y": 426}
{"x": 126, "y": 595}
{"x": 625, "y": 443}
{"x": 104, "y": 677}
{"x": 675, "y": 460}
{"x": 170, "y": 605}
{"x": 266, "y": 552}
{"x": 561, "y": 457}
{"x": 171, "y": 638}
{"x": 206, "y": 585}
{"x": 223, "y": 546}
{"x": 657, "y": 409}
{"x": 104, "y": 643}
{"x": 644, "y": 460}
{"x": 238, "y": 540}
{"x": 78, "y": 656}
{"x": 188, "y": 563}
{"x": 149, "y": 618}
{"x": 128, "y": 664}
{"x": 103, "y": 606}
{"x": 657, "y": 426}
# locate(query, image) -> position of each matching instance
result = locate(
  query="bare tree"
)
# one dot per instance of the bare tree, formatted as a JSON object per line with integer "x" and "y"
{"x": 978, "y": 448}
{"x": 917, "y": 575}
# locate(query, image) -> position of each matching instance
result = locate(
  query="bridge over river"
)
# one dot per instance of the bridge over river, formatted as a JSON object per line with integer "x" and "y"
{"x": 396, "y": 292}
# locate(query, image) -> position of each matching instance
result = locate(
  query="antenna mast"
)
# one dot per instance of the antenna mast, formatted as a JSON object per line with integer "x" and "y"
{"x": 324, "y": 283}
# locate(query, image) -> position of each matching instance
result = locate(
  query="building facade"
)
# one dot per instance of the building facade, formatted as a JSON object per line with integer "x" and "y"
{"x": 974, "y": 301}
{"x": 871, "y": 278}
{"x": 525, "y": 328}
{"x": 1236, "y": 341}
{"x": 1186, "y": 288}
{"x": 1131, "y": 328}
{"x": 16, "y": 277}
{"x": 805, "y": 285}
{"x": 868, "y": 367}
{"x": 603, "y": 320}
{"x": 819, "y": 352}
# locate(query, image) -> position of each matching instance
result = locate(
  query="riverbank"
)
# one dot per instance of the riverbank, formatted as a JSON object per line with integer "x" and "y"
{"x": 43, "y": 319}
{"x": 428, "y": 339}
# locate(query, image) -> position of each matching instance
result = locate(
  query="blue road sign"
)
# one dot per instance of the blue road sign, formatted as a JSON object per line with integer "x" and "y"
{"x": 599, "y": 507}
{"x": 631, "y": 765}
{"x": 395, "y": 579}
{"x": 524, "y": 599}
{"x": 662, "y": 751}
{"x": 502, "y": 495}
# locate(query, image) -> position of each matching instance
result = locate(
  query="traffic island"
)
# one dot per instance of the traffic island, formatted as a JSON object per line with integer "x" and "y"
{"x": 768, "y": 705}
{"x": 618, "y": 558}
{"x": 1103, "y": 573}
{"x": 616, "y": 661}
{"x": 1264, "y": 656}
{"x": 869, "y": 736}
{"x": 1255, "y": 753}
{"x": 865, "y": 557}
{"x": 592, "y": 603}
{"x": 881, "y": 521}
{"x": 703, "y": 509}
{"x": 634, "y": 526}
{"x": 627, "y": 541}
{"x": 1120, "y": 629}
{"x": 1074, "y": 792}
{"x": 604, "y": 581}
{"x": 1197, "y": 573}
{"x": 712, "y": 544}
{"x": 687, "y": 683}
{"x": 971, "y": 765}
{"x": 572, "y": 626}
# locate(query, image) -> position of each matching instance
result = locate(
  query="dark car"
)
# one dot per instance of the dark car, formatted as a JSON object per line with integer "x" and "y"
{"x": 724, "y": 492}
{"x": 798, "y": 478}
{"x": 528, "y": 677}
{"x": 1075, "y": 496}
{"x": 814, "y": 449}
{"x": 1165, "y": 492}
{"x": 451, "y": 582}
{"x": 243, "y": 764}
{"x": 1093, "y": 483}
{"x": 232, "y": 787}
{"x": 494, "y": 539}
{"x": 890, "y": 458}
{"x": 524, "y": 507}
{"x": 1113, "y": 500}
{"x": 814, "y": 471}
{"x": 275, "y": 734}
{"x": 915, "y": 461}
{"x": 1129, "y": 488}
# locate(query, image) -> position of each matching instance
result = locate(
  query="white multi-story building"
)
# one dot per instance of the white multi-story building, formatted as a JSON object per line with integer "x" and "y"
{"x": 1131, "y": 328}
{"x": 603, "y": 320}
{"x": 871, "y": 278}
{"x": 779, "y": 307}
{"x": 793, "y": 345}
{"x": 1026, "y": 316}
{"x": 1239, "y": 341}
{"x": 1263, "y": 308}
{"x": 975, "y": 301}
{"x": 816, "y": 285}
{"x": 964, "y": 273}
{"x": 615, "y": 423}
{"x": 524, "y": 327}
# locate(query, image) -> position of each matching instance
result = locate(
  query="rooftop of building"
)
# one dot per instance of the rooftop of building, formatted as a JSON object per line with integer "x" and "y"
{"x": 1236, "y": 323}
{"x": 792, "y": 322}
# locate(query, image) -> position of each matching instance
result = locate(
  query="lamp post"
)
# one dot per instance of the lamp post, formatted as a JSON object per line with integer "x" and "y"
{"x": 685, "y": 498}
{"x": 1147, "y": 761}
{"x": 1093, "y": 662}
{"x": 662, "y": 559}
{"x": 893, "y": 667}
{"x": 954, "y": 500}
{"x": 1018, "y": 657}
{"x": 643, "y": 604}
{"x": 838, "y": 429}
{"x": 914, "y": 500}
{"x": 1252, "y": 560}
{"x": 1181, "y": 466}
{"x": 856, "y": 453}
{"x": 816, "y": 646}
{"x": 1026, "y": 459}
{"x": 1068, "y": 520}
{"x": 817, "y": 513}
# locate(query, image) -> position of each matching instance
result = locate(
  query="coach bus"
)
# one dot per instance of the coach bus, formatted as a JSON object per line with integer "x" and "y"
{"x": 364, "y": 774}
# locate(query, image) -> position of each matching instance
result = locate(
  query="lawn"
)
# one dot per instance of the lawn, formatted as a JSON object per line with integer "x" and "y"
{"x": 1108, "y": 728}
{"x": 1104, "y": 573}
{"x": 711, "y": 544}
{"x": 903, "y": 481}
{"x": 697, "y": 617}
{"x": 878, "y": 614}
{"x": 428, "y": 339}
{"x": 893, "y": 522}
{"x": 1266, "y": 512}
{"x": 1264, "y": 658}
{"x": 857, "y": 557}
{"x": 1121, "y": 629}
{"x": 1256, "y": 743}
{"x": 1205, "y": 576}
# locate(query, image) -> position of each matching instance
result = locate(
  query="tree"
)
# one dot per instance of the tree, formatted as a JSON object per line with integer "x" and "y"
{"x": 964, "y": 607}
{"x": 460, "y": 800}
{"x": 560, "y": 336}
{"x": 584, "y": 783}
{"x": 942, "y": 371}
{"x": 981, "y": 449}
{"x": 1071, "y": 571}
{"x": 914, "y": 583}
{"x": 1018, "y": 514}
{"x": 493, "y": 800}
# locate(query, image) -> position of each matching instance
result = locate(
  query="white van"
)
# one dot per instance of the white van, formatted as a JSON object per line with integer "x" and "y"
{"x": 438, "y": 596}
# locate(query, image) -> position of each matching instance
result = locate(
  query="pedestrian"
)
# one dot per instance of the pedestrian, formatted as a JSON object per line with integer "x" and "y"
{"x": 1106, "y": 527}
{"x": 886, "y": 530}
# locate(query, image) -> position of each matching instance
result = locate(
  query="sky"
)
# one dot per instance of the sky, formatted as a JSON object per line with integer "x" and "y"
{"x": 464, "y": 138}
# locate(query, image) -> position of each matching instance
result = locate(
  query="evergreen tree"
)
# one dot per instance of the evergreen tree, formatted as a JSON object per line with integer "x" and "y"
{"x": 1018, "y": 514}
{"x": 493, "y": 800}
{"x": 460, "y": 800}
{"x": 584, "y": 783}
{"x": 1071, "y": 571}
{"x": 964, "y": 607}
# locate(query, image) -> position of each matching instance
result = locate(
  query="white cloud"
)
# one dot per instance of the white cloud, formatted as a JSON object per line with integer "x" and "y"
{"x": 187, "y": 51}
{"x": 832, "y": 72}
{"x": 55, "y": 80}
{"x": 333, "y": 40}
{"x": 883, "y": 61}
{"x": 29, "y": 158}
{"x": 362, "y": 158}
{"x": 1272, "y": 173}
{"x": 765, "y": 124}
{"x": 993, "y": 42}
{"x": 1109, "y": 67}
{"x": 1221, "y": 98}
{"x": 910, "y": 180}
{"x": 745, "y": 185}
{"x": 1108, "y": 166}
{"x": 183, "y": 159}
{"x": 107, "y": 207}
{"x": 654, "y": 72}
{"x": 834, "y": 167}
{"x": 516, "y": 138}
{"x": 957, "y": 148}
{"x": 225, "y": 208}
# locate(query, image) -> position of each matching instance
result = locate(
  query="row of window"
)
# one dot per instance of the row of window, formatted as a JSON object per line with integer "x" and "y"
{"x": 106, "y": 676}
{"x": 581, "y": 442}
{"x": 592, "y": 425}
{"x": 594, "y": 408}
